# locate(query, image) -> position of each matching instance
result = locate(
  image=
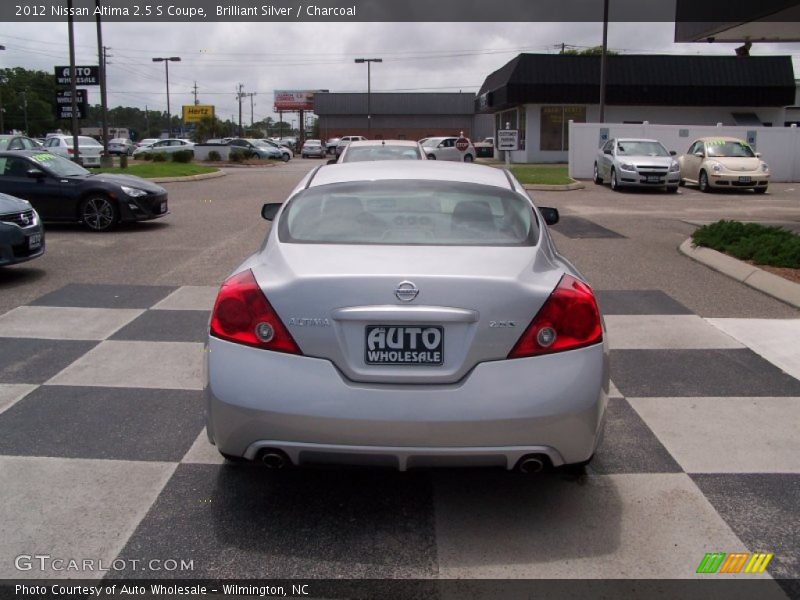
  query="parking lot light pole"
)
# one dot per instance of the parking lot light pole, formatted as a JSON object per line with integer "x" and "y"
{"x": 369, "y": 62}
{"x": 166, "y": 61}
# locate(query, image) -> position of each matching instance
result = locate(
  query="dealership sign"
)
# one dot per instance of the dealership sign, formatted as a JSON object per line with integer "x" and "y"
{"x": 64, "y": 104}
{"x": 88, "y": 75}
{"x": 194, "y": 113}
{"x": 294, "y": 100}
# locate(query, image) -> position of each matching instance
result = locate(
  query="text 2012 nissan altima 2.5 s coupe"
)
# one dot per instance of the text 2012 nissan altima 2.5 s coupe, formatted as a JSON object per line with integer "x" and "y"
{"x": 407, "y": 314}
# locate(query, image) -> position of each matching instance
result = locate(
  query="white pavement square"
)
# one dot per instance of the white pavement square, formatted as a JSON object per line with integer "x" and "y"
{"x": 189, "y": 297}
{"x": 65, "y": 323}
{"x": 72, "y": 509}
{"x": 202, "y": 452}
{"x": 11, "y": 393}
{"x": 162, "y": 365}
{"x": 726, "y": 435}
{"x": 665, "y": 332}
{"x": 632, "y": 526}
{"x": 776, "y": 340}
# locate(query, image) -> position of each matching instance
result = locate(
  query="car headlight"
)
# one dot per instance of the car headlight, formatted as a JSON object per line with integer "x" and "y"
{"x": 716, "y": 167}
{"x": 627, "y": 167}
{"x": 133, "y": 192}
{"x": 674, "y": 167}
{"x": 764, "y": 167}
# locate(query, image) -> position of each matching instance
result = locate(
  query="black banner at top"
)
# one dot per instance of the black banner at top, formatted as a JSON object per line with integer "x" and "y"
{"x": 398, "y": 10}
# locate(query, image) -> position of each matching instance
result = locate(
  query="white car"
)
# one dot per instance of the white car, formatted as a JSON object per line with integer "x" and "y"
{"x": 369, "y": 150}
{"x": 444, "y": 148}
{"x": 313, "y": 148}
{"x": 146, "y": 142}
{"x": 344, "y": 141}
{"x": 285, "y": 149}
{"x": 121, "y": 146}
{"x": 89, "y": 148}
{"x": 170, "y": 146}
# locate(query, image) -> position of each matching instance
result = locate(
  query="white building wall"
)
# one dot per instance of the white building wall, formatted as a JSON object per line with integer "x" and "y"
{"x": 778, "y": 146}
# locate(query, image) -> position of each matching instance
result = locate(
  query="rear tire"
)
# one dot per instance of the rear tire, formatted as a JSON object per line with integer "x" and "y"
{"x": 760, "y": 190}
{"x": 431, "y": 157}
{"x": 98, "y": 213}
{"x": 702, "y": 183}
{"x": 285, "y": 157}
{"x": 468, "y": 158}
{"x": 597, "y": 179}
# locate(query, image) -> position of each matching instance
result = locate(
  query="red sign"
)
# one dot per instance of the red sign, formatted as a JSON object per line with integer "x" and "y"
{"x": 294, "y": 100}
{"x": 462, "y": 144}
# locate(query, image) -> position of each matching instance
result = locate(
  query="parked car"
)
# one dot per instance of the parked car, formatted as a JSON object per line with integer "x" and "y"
{"x": 346, "y": 140}
{"x": 724, "y": 162}
{"x": 61, "y": 190}
{"x": 290, "y": 142}
{"x": 146, "y": 142}
{"x": 168, "y": 146}
{"x": 381, "y": 150}
{"x": 254, "y": 148}
{"x": 120, "y": 146}
{"x": 21, "y": 231}
{"x": 313, "y": 148}
{"x": 628, "y": 162}
{"x": 404, "y": 292}
{"x": 89, "y": 148}
{"x": 444, "y": 148}
{"x": 286, "y": 150}
{"x": 331, "y": 144}
{"x": 484, "y": 149}
{"x": 18, "y": 142}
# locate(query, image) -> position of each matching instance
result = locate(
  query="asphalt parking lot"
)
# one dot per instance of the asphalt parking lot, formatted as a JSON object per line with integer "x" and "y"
{"x": 101, "y": 350}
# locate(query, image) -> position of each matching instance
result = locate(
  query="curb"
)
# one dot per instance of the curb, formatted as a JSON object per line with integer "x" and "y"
{"x": 188, "y": 177}
{"x": 759, "y": 279}
{"x": 576, "y": 185}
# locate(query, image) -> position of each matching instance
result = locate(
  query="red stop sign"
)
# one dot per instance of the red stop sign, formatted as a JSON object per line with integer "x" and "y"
{"x": 462, "y": 144}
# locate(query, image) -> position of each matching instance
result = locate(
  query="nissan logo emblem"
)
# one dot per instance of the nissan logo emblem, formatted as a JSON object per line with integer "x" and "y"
{"x": 406, "y": 291}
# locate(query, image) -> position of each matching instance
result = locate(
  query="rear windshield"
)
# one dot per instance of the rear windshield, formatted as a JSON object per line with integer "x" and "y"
{"x": 634, "y": 148}
{"x": 409, "y": 212}
{"x": 362, "y": 153}
{"x": 723, "y": 148}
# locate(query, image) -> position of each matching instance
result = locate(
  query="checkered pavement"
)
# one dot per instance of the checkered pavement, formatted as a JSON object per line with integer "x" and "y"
{"x": 103, "y": 455}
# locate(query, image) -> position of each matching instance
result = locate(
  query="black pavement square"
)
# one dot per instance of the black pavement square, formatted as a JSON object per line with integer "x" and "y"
{"x": 762, "y": 510}
{"x": 248, "y": 522}
{"x": 580, "y": 228}
{"x": 91, "y": 295}
{"x": 639, "y": 302}
{"x": 24, "y": 360}
{"x": 107, "y": 423}
{"x": 703, "y": 373}
{"x": 166, "y": 326}
{"x": 629, "y": 445}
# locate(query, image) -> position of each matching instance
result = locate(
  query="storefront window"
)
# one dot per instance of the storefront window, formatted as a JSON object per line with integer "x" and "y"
{"x": 554, "y": 130}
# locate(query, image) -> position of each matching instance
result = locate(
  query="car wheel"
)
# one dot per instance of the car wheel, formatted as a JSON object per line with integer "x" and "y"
{"x": 285, "y": 157}
{"x": 760, "y": 190}
{"x": 614, "y": 182}
{"x": 672, "y": 189}
{"x": 99, "y": 213}
{"x": 468, "y": 158}
{"x": 702, "y": 182}
{"x": 682, "y": 182}
{"x": 431, "y": 157}
{"x": 597, "y": 179}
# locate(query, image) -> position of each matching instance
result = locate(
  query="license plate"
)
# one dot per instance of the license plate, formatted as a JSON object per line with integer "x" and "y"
{"x": 34, "y": 241}
{"x": 163, "y": 208}
{"x": 744, "y": 180}
{"x": 653, "y": 179}
{"x": 404, "y": 345}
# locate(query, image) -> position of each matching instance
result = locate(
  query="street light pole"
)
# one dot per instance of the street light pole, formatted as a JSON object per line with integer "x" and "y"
{"x": 2, "y": 110}
{"x": 369, "y": 62}
{"x": 166, "y": 61}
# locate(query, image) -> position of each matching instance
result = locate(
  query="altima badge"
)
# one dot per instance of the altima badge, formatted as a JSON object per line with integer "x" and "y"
{"x": 406, "y": 291}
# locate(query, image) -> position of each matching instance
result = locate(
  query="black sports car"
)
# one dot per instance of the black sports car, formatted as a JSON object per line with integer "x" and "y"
{"x": 21, "y": 231}
{"x": 61, "y": 190}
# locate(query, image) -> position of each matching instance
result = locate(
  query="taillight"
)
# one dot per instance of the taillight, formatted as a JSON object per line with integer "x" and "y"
{"x": 70, "y": 151}
{"x": 242, "y": 314}
{"x": 569, "y": 319}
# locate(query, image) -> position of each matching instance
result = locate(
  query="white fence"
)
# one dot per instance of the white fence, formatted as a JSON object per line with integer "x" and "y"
{"x": 779, "y": 146}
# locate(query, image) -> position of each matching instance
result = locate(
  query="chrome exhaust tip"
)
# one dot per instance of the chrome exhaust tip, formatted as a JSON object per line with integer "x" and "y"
{"x": 530, "y": 465}
{"x": 274, "y": 460}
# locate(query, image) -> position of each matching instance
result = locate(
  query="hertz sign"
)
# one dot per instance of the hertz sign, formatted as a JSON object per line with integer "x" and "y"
{"x": 193, "y": 113}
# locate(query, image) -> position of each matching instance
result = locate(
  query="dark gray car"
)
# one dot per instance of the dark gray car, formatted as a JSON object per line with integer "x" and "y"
{"x": 21, "y": 231}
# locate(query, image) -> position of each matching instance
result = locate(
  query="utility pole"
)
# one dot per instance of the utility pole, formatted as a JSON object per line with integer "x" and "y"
{"x": 73, "y": 82}
{"x": 25, "y": 108}
{"x": 251, "y": 94}
{"x": 2, "y": 110}
{"x": 369, "y": 62}
{"x": 603, "y": 61}
{"x": 196, "y": 101}
{"x": 239, "y": 96}
{"x": 105, "y": 160}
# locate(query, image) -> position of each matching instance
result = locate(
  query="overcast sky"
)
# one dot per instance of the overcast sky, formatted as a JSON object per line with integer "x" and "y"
{"x": 268, "y": 56}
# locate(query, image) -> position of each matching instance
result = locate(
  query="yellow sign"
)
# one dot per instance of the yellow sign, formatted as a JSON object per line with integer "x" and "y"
{"x": 193, "y": 113}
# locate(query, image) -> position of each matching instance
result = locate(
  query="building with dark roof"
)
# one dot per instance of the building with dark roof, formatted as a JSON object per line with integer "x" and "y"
{"x": 410, "y": 116}
{"x": 539, "y": 94}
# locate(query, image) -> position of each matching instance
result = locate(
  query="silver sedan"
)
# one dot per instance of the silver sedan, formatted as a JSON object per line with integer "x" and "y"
{"x": 636, "y": 163}
{"x": 407, "y": 314}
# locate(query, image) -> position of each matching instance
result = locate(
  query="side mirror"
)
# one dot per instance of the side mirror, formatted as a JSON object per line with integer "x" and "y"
{"x": 607, "y": 152}
{"x": 36, "y": 174}
{"x": 269, "y": 210}
{"x": 673, "y": 153}
{"x": 758, "y": 154}
{"x": 699, "y": 154}
{"x": 333, "y": 161}
{"x": 550, "y": 215}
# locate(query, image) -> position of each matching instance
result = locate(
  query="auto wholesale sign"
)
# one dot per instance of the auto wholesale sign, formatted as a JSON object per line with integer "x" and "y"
{"x": 86, "y": 75}
{"x": 294, "y": 100}
{"x": 64, "y": 104}
{"x": 194, "y": 113}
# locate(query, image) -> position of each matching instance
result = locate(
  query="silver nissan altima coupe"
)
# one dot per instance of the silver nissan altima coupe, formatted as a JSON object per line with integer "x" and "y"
{"x": 407, "y": 314}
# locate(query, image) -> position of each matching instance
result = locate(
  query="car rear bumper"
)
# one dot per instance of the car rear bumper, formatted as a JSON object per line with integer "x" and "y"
{"x": 502, "y": 410}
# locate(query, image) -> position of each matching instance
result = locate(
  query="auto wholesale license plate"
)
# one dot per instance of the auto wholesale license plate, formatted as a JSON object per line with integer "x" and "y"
{"x": 163, "y": 207}
{"x": 404, "y": 345}
{"x": 744, "y": 180}
{"x": 653, "y": 179}
{"x": 34, "y": 241}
